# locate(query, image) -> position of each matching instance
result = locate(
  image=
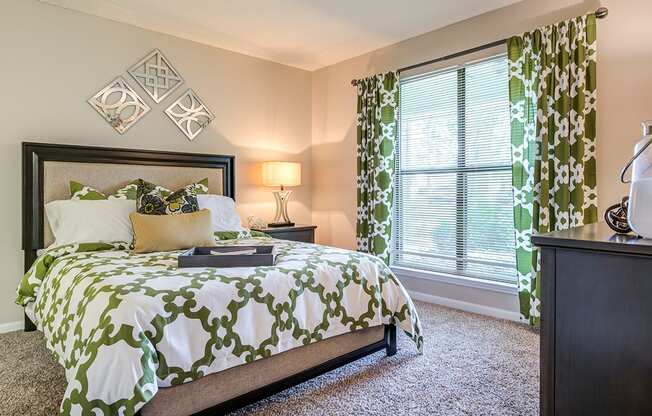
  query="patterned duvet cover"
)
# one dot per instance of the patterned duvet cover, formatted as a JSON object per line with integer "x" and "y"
{"x": 125, "y": 324}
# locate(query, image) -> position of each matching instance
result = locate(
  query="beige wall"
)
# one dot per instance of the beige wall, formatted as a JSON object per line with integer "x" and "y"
{"x": 53, "y": 60}
{"x": 624, "y": 88}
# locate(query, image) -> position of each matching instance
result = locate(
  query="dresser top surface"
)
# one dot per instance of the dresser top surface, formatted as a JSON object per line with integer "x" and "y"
{"x": 595, "y": 237}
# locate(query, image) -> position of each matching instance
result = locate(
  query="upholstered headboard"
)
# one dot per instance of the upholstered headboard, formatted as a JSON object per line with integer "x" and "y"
{"x": 48, "y": 169}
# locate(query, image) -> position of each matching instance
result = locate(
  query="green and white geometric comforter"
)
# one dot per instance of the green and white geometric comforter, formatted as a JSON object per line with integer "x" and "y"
{"x": 125, "y": 324}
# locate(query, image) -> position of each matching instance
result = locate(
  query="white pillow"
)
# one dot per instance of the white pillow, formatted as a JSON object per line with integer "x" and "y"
{"x": 106, "y": 221}
{"x": 223, "y": 213}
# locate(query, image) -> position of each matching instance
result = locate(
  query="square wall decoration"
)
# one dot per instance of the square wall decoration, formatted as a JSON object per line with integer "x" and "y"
{"x": 156, "y": 75}
{"x": 119, "y": 105}
{"x": 190, "y": 114}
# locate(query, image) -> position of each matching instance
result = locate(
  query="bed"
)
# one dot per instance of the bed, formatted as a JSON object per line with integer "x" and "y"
{"x": 136, "y": 335}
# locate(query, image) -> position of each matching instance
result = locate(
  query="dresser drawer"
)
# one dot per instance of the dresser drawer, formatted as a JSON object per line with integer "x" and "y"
{"x": 306, "y": 236}
{"x": 302, "y": 233}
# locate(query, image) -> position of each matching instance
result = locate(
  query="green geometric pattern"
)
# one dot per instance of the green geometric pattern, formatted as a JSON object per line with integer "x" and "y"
{"x": 125, "y": 324}
{"x": 80, "y": 191}
{"x": 552, "y": 83}
{"x": 376, "y": 130}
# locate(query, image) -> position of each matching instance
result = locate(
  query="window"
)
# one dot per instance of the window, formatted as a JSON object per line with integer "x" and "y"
{"x": 453, "y": 210}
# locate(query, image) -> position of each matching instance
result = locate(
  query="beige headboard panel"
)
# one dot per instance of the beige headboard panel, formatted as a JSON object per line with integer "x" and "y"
{"x": 109, "y": 177}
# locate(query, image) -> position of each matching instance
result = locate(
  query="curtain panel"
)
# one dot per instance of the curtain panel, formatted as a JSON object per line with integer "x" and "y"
{"x": 552, "y": 83}
{"x": 378, "y": 98}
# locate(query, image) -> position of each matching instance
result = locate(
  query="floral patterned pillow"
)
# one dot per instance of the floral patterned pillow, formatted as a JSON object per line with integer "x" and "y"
{"x": 155, "y": 200}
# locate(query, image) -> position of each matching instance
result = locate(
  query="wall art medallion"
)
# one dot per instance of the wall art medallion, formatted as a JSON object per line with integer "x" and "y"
{"x": 156, "y": 75}
{"x": 190, "y": 114}
{"x": 119, "y": 105}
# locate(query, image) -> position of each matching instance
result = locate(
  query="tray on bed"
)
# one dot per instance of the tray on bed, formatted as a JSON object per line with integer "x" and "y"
{"x": 203, "y": 257}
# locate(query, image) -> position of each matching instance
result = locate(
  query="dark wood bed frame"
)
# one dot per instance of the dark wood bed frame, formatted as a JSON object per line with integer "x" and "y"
{"x": 35, "y": 154}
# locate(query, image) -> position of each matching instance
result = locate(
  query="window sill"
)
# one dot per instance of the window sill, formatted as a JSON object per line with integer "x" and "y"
{"x": 452, "y": 279}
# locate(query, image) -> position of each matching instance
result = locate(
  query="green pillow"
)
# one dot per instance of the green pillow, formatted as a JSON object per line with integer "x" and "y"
{"x": 79, "y": 191}
{"x": 126, "y": 192}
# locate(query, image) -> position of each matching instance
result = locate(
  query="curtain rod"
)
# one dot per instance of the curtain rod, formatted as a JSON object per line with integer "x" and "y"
{"x": 600, "y": 13}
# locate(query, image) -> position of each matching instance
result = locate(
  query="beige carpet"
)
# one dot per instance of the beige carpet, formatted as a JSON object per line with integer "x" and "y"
{"x": 472, "y": 365}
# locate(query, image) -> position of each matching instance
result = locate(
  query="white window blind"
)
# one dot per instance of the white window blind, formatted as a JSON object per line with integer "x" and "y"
{"x": 453, "y": 208}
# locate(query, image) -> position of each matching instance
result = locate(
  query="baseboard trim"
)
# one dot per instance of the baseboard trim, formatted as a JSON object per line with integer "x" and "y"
{"x": 11, "y": 326}
{"x": 466, "y": 306}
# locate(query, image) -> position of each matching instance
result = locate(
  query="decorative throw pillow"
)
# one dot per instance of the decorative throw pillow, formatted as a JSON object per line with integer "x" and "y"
{"x": 155, "y": 200}
{"x": 172, "y": 232}
{"x": 126, "y": 192}
{"x": 81, "y": 192}
{"x": 200, "y": 188}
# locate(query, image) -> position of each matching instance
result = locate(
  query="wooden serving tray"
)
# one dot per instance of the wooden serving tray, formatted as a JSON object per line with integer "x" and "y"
{"x": 202, "y": 257}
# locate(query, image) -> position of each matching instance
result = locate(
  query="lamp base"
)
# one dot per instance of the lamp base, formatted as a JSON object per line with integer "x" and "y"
{"x": 281, "y": 219}
{"x": 280, "y": 224}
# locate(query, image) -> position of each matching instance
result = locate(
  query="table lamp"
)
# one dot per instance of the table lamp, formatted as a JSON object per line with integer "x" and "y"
{"x": 281, "y": 174}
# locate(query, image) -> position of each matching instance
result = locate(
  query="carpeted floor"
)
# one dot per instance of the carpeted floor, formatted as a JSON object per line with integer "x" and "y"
{"x": 472, "y": 365}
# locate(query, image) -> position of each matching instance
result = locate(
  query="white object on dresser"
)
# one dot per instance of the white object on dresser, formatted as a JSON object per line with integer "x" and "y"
{"x": 640, "y": 191}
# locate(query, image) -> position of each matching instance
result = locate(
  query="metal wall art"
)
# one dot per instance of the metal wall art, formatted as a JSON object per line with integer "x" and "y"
{"x": 190, "y": 114}
{"x": 156, "y": 75}
{"x": 119, "y": 105}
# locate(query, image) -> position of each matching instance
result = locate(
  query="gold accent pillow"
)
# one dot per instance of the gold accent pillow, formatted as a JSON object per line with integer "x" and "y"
{"x": 172, "y": 232}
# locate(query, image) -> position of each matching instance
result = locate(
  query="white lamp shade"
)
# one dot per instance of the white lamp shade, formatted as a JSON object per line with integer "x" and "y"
{"x": 281, "y": 173}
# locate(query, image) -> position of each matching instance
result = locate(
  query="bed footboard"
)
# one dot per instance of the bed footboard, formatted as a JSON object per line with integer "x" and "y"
{"x": 387, "y": 343}
{"x": 390, "y": 340}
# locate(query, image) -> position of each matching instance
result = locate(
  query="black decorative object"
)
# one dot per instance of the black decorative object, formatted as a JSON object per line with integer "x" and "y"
{"x": 616, "y": 217}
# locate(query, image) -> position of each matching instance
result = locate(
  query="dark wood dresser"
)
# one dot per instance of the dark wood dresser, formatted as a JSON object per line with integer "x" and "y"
{"x": 596, "y": 323}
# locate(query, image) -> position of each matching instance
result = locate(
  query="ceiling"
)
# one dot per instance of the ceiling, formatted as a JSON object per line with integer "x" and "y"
{"x": 307, "y": 34}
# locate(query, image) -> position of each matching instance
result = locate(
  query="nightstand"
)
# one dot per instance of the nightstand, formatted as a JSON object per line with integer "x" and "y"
{"x": 299, "y": 232}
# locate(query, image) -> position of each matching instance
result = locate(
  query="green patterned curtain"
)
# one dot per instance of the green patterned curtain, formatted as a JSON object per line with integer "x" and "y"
{"x": 376, "y": 124}
{"x": 552, "y": 84}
